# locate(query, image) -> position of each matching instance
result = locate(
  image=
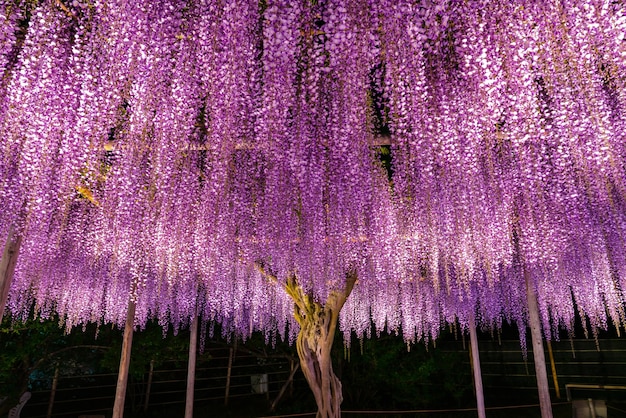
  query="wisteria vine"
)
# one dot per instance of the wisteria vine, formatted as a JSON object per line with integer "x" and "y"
{"x": 157, "y": 150}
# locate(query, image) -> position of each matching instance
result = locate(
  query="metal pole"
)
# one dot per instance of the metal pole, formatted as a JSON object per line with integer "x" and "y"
{"x": 475, "y": 356}
{"x": 191, "y": 367}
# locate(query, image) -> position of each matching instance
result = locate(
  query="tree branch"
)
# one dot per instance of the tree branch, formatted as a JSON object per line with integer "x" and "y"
{"x": 290, "y": 287}
{"x": 67, "y": 11}
{"x": 261, "y": 269}
{"x": 351, "y": 279}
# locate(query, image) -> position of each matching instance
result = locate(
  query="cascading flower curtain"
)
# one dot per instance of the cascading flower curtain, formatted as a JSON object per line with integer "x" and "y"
{"x": 157, "y": 150}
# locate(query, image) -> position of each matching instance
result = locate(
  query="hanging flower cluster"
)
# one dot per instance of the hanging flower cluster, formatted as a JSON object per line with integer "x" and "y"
{"x": 155, "y": 150}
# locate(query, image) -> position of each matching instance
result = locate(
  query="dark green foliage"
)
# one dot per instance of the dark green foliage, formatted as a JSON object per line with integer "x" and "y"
{"x": 385, "y": 375}
{"x": 33, "y": 349}
{"x": 30, "y": 352}
{"x": 150, "y": 344}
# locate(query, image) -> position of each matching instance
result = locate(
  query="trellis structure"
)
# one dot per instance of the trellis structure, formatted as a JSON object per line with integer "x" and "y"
{"x": 153, "y": 152}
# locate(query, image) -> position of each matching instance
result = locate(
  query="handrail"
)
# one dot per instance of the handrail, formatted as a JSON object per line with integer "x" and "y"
{"x": 581, "y": 386}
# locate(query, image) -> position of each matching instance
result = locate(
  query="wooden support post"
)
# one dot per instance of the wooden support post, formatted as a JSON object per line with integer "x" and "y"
{"x": 7, "y": 266}
{"x": 231, "y": 354}
{"x": 555, "y": 378}
{"x": 191, "y": 367}
{"x": 122, "y": 376}
{"x": 148, "y": 386}
{"x": 538, "y": 355}
{"x": 53, "y": 391}
{"x": 287, "y": 384}
{"x": 292, "y": 366}
{"x": 475, "y": 356}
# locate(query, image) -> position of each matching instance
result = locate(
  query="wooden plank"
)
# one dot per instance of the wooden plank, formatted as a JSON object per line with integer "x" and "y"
{"x": 191, "y": 368}
{"x": 7, "y": 266}
{"x": 122, "y": 376}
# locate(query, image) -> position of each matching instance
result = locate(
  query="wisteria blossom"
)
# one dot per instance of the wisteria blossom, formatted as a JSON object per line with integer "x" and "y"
{"x": 157, "y": 150}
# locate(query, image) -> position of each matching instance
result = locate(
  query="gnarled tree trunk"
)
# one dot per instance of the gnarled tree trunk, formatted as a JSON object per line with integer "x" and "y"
{"x": 318, "y": 322}
{"x": 314, "y": 344}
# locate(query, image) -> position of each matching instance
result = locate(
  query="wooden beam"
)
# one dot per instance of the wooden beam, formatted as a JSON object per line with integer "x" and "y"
{"x": 191, "y": 367}
{"x": 7, "y": 266}
{"x": 122, "y": 376}
{"x": 373, "y": 140}
{"x": 475, "y": 362}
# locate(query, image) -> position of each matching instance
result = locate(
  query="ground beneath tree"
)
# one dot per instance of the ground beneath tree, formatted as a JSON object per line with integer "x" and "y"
{"x": 258, "y": 409}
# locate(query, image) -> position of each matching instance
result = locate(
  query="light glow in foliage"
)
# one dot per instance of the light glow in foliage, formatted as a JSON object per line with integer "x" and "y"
{"x": 157, "y": 150}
